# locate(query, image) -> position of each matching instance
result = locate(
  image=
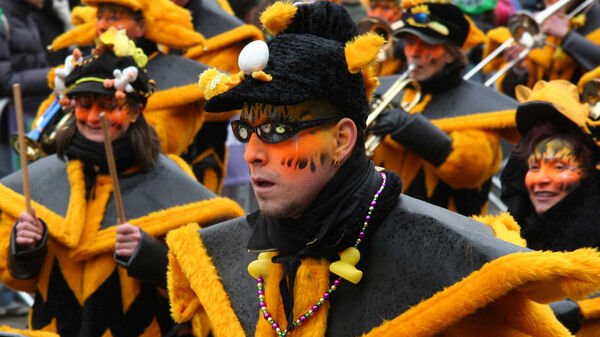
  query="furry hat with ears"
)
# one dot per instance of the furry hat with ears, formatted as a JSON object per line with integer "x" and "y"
{"x": 316, "y": 54}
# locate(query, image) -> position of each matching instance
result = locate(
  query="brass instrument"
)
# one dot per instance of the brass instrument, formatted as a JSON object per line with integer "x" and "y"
{"x": 43, "y": 133}
{"x": 383, "y": 28}
{"x": 525, "y": 29}
{"x": 403, "y": 81}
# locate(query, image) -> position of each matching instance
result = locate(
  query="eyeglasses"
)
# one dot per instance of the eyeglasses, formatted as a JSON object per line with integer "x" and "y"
{"x": 420, "y": 18}
{"x": 275, "y": 132}
{"x": 105, "y": 102}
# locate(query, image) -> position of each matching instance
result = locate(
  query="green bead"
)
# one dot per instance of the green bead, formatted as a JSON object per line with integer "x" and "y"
{"x": 369, "y": 213}
{"x": 356, "y": 246}
{"x": 319, "y": 303}
{"x": 260, "y": 288}
{"x": 307, "y": 315}
{"x": 294, "y": 324}
{"x": 330, "y": 291}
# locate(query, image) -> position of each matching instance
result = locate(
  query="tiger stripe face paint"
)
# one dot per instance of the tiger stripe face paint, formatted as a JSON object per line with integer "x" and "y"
{"x": 87, "y": 113}
{"x": 287, "y": 176}
{"x": 429, "y": 59}
{"x": 553, "y": 172}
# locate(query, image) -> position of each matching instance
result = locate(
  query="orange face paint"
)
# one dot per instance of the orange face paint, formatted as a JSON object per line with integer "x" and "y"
{"x": 287, "y": 175}
{"x": 87, "y": 113}
{"x": 554, "y": 171}
{"x": 429, "y": 59}
{"x": 109, "y": 18}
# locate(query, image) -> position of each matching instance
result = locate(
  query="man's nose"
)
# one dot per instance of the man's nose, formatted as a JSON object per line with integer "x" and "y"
{"x": 255, "y": 151}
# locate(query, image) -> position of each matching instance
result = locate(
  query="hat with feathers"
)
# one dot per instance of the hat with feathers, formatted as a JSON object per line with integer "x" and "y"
{"x": 316, "y": 54}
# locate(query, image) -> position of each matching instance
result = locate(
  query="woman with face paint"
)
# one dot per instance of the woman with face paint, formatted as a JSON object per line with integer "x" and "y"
{"x": 92, "y": 276}
{"x": 550, "y": 183}
{"x": 447, "y": 147}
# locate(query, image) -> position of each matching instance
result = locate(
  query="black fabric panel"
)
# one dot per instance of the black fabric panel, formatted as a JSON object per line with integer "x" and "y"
{"x": 210, "y": 19}
{"x": 146, "y": 192}
{"x": 47, "y": 180}
{"x": 162, "y": 67}
{"x": 417, "y": 251}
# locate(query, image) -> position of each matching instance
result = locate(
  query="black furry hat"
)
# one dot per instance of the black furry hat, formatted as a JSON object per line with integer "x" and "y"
{"x": 315, "y": 54}
{"x": 438, "y": 22}
{"x": 91, "y": 76}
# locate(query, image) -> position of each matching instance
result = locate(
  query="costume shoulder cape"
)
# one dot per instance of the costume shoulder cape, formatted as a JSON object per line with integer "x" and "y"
{"x": 410, "y": 264}
{"x": 157, "y": 201}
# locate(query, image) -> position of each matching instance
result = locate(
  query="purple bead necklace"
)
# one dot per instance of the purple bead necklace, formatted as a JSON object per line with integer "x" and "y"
{"x": 336, "y": 283}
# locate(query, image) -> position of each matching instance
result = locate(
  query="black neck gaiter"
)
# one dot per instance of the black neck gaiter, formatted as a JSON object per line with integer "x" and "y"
{"x": 330, "y": 224}
{"x": 93, "y": 156}
{"x": 449, "y": 77}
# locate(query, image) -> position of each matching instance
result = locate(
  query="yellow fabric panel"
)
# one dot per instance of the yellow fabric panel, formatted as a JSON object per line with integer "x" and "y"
{"x": 312, "y": 280}
{"x": 193, "y": 279}
{"x": 512, "y": 284}
{"x": 176, "y": 127}
{"x": 95, "y": 272}
{"x": 475, "y": 157}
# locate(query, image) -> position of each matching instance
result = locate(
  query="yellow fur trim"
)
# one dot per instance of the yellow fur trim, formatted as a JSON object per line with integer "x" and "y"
{"x": 175, "y": 97}
{"x": 505, "y": 227}
{"x": 183, "y": 165}
{"x": 160, "y": 222}
{"x": 278, "y": 17}
{"x": 166, "y": 23}
{"x": 192, "y": 279}
{"x": 82, "y": 14}
{"x": 312, "y": 280}
{"x": 262, "y": 76}
{"x": 475, "y": 36}
{"x": 493, "y": 39}
{"x": 502, "y": 286}
{"x": 30, "y": 333}
{"x": 236, "y": 36}
{"x": 362, "y": 51}
{"x": 496, "y": 120}
{"x": 590, "y": 308}
{"x": 212, "y": 82}
{"x": 371, "y": 81}
{"x": 82, "y": 35}
{"x": 177, "y": 126}
{"x": 563, "y": 95}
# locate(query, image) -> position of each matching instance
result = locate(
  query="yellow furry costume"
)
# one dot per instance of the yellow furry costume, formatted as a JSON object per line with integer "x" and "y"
{"x": 79, "y": 273}
{"x": 176, "y": 109}
{"x": 549, "y": 62}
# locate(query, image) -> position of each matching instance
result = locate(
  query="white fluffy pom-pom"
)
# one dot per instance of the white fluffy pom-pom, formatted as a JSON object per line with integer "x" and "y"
{"x": 254, "y": 57}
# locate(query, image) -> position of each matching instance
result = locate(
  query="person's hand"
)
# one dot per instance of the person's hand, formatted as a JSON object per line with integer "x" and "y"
{"x": 389, "y": 122}
{"x": 128, "y": 238}
{"x": 29, "y": 230}
{"x": 556, "y": 25}
{"x": 511, "y": 53}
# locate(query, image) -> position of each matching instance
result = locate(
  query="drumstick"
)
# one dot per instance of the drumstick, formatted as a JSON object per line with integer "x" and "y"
{"x": 112, "y": 168}
{"x": 22, "y": 150}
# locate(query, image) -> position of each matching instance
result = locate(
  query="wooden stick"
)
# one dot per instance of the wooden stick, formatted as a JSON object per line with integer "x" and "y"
{"x": 22, "y": 150}
{"x": 112, "y": 168}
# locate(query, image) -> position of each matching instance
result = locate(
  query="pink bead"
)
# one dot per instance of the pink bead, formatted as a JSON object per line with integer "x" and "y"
{"x": 259, "y": 280}
{"x": 262, "y": 304}
{"x": 275, "y": 325}
{"x": 302, "y": 318}
{"x": 315, "y": 308}
{"x": 326, "y": 295}
{"x": 267, "y": 315}
{"x": 260, "y": 292}
{"x": 361, "y": 235}
{"x": 337, "y": 283}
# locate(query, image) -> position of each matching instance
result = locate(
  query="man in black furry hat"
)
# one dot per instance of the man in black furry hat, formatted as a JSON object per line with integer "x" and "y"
{"x": 304, "y": 100}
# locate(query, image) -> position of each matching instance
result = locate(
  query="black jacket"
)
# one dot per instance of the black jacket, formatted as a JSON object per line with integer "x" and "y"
{"x": 22, "y": 54}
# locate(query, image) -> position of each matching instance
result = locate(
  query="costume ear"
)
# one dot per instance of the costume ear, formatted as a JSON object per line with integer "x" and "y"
{"x": 278, "y": 17}
{"x": 522, "y": 93}
{"x": 362, "y": 51}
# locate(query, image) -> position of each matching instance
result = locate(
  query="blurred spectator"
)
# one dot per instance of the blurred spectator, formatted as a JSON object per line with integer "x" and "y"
{"x": 22, "y": 55}
{"x": 249, "y": 10}
{"x": 53, "y": 19}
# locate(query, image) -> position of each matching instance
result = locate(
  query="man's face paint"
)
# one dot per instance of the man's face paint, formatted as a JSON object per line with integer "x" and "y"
{"x": 87, "y": 113}
{"x": 430, "y": 59}
{"x": 287, "y": 176}
{"x": 554, "y": 171}
{"x": 109, "y": 18}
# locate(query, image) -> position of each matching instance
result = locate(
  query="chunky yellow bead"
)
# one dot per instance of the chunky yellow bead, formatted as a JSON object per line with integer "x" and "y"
{"x": 261, "y": 266}
{"x": 345, "y": 268}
